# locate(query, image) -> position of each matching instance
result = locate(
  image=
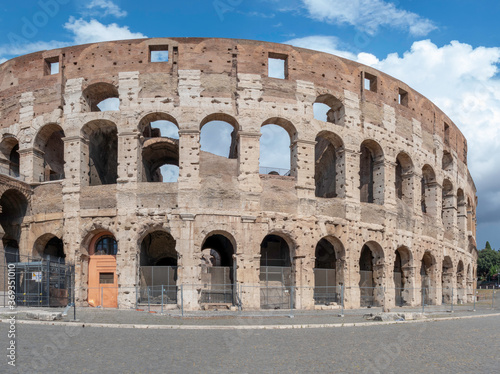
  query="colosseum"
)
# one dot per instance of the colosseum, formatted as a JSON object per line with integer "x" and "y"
{"x": 377, "y": 204}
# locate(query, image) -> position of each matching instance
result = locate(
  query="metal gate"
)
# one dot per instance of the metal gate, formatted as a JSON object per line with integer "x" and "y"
{"x": 398, "y": 288}
{"x": 216, "y": 284}
{"x": 366, "y": 289}
{"x": 275, "y": 287}
{"x": 158, "y": 284}
{"x": 325, "y": 286}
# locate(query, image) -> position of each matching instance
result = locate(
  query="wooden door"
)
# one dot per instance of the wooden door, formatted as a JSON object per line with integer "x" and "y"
{"x": 103, "y": 284}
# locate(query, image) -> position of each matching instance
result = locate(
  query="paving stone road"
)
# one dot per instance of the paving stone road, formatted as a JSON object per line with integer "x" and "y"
{"x": 458, "y": 346}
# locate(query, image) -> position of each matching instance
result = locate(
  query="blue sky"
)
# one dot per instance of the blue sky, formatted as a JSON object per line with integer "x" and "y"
{"x": 449, "y": 50}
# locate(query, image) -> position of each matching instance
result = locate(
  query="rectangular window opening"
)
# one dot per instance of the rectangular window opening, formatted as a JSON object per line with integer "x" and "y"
{"x": 403, "y": 97}
{"x": 106, "y": 278}
{"x": 370, "y": 82}
{"x": 277, "y": 66}
{"x": 158, "y": 53}
{"x": 52, "y": 66}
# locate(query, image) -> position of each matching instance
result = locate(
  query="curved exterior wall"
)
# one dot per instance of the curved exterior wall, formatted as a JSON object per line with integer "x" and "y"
{"x": 226, "y": 79}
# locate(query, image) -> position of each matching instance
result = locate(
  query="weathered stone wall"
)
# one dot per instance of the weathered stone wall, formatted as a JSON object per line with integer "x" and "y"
{"x": 223, "y": 79}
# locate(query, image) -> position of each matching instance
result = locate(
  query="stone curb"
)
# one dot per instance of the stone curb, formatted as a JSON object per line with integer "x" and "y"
{"x": 240, "y": 327}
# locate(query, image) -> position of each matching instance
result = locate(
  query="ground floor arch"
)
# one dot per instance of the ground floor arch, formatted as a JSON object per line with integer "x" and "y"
{"x": 403, "y": 277}
{"x": 158, "y": 268}
{"x": 276, "y": 278}
{"x": 218, "y": 270}
{"x": 371, "y": 275}
{"x": 102, "y": 278}
{"x": 328, "y": 270}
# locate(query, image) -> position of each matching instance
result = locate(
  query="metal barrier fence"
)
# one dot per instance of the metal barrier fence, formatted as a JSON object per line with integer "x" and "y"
{"x": 266, "y": 300}
{"x": 35, "y": 282}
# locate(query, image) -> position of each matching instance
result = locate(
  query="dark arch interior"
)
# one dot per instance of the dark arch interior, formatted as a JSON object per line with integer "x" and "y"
{"x": 325, "y": 255}
{"x": 158, "y": 249}
{"x": 366, "y": 259}
{"x": 325, "y": 168}
{"x": 103, "y": 156}
{"x": 14, "y": 160}
{"x": 14, "y": 207}
{"x": 366, "y": 179}
{"x": 218, "y": 251}
{"x": 54, "y": 250}
{"x": 274, "y": 251}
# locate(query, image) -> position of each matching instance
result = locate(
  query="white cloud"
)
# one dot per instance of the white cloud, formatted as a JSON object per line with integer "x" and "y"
{"x": 105, "y": 8}
{"x": 82, "y": 32}
{"x": 328, "y": 44}
{"x": 2, "y": 60}
{"x": 368, "y": 15}
{"x": 15, "y": 50}
{"x": 93, "y": 31}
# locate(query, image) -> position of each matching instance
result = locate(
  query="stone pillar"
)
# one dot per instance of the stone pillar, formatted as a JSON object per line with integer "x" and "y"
{"x": 248, "y": 173}
{"x": 189, "y": 167}
{"x": 76, "y": 157}
{"x": 449, "y": 212}
{"x": 248, "y": 262}
{"x": 189, "y": 270}
{"x": 304, "y": 282}
{"x": 26, "y": 165}
{"x": 126, "y": 202}
{"x": 304, "y": 150}
{"x": 128, "y": 148}
{"x": 389, "y": 188}
{"x": 340, "y": 168}
{"x": 432, "y": 193}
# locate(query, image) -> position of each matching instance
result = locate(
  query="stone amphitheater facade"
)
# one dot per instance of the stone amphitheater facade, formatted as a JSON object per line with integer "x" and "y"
{"x": 380, "y": 185}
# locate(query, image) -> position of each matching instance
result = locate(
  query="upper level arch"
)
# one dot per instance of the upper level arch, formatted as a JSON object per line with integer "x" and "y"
{"x": 329, "y": 174}
{"x": 371, "y": 172}
{"x": 9, "y": 155}
{"x": 328, "y": 108}
{"x": 219, "y": 135}
{"x": 95, "y": 94}
{"x": 158, "y": 124}
{"x": 49, "y": 142}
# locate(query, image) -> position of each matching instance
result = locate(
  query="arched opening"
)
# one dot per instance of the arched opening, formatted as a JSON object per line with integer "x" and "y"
{"x": 49, "y": 142}
{"x": 371, "y": 272}
{"x": 219, "y": 135}
{"x": 328, "y": 108}
{"x": 328, "y": 271}
{"x": 275, "y": 273}
{"x": 428, "y": 191}
{"x": 404, "y": 178}
{"x": 158, "y": 268}
{"x": 447, "y": 280}
{"x": 276, "y": 147}
{"x": 329, "y": 165}
{"x": 470, "y": 284}
{"x": 371, "y": 173}
{"x": 461, "y": 212}
{"x": 447, "y": 161}
{"x": 14, "y": 207}
{"x": 9, "y": 156}
{"x": 402, "y": 277}
{"x": 469, "y": 216}
{"x": 461, "y": 286}
{"x": 218, "y": 270}
{"x": 102, "y": 153}
{"x": 103, "y": 282}
{"x": 49, "y": 247}
{"x": 101, "y": 97}
{"x": 427, "y": 278}
{"x": 448, "y": 206}
{"x": 160, "y": 149}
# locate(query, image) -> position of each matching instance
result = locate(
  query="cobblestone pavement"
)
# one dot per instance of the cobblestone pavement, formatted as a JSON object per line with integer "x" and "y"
{"x": 457, "y": 346}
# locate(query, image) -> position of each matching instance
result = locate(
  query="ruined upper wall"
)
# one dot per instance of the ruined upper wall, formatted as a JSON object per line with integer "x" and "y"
{"x": 220, "y": 61}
